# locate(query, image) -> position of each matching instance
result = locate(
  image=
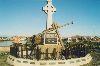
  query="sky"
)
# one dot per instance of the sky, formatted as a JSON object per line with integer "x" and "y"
{"x": 25, "y": 17}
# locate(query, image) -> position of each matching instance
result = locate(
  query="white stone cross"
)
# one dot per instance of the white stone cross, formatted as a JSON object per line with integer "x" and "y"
{"x": 49, "y": 9}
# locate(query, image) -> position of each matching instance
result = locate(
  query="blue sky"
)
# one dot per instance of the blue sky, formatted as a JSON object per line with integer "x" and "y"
{"x": 25, "y": 17}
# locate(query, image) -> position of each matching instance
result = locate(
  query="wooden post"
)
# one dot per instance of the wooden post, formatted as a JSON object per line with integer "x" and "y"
{"x": 21, "y": 52}
{"x": 46, "y": 54}
{"x": 26, "y": 51}
{"x": 17, "y": 51}
{"x": 54, "y": 54}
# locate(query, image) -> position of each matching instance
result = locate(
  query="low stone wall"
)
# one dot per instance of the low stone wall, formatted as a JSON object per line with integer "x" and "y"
{"x": 4, "y": 48}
